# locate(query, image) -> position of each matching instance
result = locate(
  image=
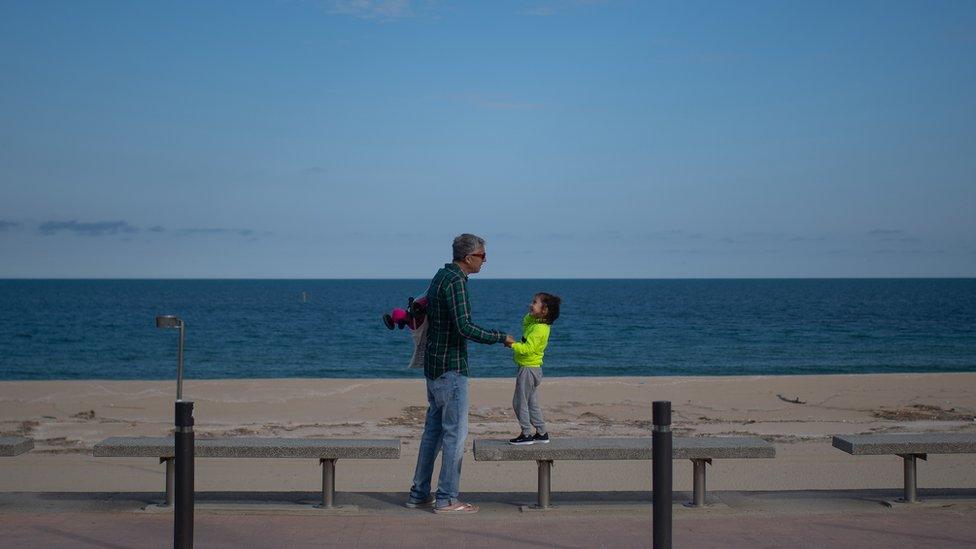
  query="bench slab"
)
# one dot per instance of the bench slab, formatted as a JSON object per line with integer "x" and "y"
{"x": 907, "y": 443}
{"x": 250, "y": 447}
{"x": 14, "y": 446}
{"x": 633, "y": 448}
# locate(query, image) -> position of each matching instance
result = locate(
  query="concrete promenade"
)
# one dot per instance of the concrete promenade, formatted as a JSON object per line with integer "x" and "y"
{"x": 735, "y": 519}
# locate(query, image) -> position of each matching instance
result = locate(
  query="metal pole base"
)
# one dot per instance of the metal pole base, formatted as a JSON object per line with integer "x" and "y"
{"x": 170, "y": 480}
{"x": 698, "y": 496}
{"x": 328, "y": 484}
{"x": 545, "y": 476}
{"x": 911, "y": 480}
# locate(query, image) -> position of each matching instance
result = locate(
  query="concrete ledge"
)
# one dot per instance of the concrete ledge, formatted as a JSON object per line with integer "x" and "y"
{"x": 256, "y": 508}
{"x": 623, "y": 449}
{"x": 246, "y": 447}
{"x": 14, "y": 446}
{"x": 722, "y": 448}
{"x": 907, "y": 443}
{"x": 591, "y": 508}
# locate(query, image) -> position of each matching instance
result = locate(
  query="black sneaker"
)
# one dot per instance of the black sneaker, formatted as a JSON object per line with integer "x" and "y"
{"x": 388, "y": 320}
{"x": 425, "y": 504}
{"x": 541, "y": 439}
{"x": 522, "y": 440}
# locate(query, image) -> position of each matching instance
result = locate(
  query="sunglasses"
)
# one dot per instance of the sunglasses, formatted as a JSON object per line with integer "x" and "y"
{"x": 481, "y": 255}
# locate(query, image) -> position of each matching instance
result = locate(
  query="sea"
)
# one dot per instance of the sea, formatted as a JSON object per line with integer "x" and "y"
{"x": 105, "y": 329}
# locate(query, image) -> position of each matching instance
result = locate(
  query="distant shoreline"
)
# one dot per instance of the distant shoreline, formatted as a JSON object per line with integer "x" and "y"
{"x": 420, "y": 376}
{"x": 685, "y": 278}
{"x": 549, "y": 374}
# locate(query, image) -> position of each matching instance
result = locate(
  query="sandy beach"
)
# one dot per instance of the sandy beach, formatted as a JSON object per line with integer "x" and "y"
{"x": 797, "y": 413}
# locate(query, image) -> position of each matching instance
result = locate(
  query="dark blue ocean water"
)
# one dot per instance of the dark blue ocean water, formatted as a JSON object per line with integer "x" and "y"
{"x": 80, "y": 329}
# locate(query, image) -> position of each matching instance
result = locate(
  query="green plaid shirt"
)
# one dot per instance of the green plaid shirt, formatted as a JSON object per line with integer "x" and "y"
{"x": 449, "y": 324}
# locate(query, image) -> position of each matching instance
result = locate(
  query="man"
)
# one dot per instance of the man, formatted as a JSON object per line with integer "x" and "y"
{"x": 449, "y": 327}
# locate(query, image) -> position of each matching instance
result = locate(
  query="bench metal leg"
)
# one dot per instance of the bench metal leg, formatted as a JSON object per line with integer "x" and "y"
{"x": 328, "y": 483}
{"x": 170, "y": 479}
{"x": 545, "y": 475}
{"x": 911, "y": 483}
{"x": 698, "y": 496}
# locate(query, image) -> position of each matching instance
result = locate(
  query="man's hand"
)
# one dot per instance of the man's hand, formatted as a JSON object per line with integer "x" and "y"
{"x": 509, "y": 340}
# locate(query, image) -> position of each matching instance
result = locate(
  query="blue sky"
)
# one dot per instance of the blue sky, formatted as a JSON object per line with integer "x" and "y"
{"x": 355, "y": 138}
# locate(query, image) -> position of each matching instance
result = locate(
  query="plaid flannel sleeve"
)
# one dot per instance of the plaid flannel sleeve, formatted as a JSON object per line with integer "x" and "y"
{"x": 459, "y": 308}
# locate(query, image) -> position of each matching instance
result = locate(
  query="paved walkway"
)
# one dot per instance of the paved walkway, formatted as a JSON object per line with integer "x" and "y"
{"x": 780, "y": 519}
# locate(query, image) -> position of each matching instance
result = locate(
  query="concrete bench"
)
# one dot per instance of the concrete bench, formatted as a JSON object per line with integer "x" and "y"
{"x": 14, "y": 446}
{"x": 700, "y": 450}
{"x": 327, "y": 451}
{"x": 909, "y": 447}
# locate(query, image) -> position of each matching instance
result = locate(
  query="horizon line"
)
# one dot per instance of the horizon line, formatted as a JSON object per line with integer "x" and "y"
{"x": 854, "y": 277}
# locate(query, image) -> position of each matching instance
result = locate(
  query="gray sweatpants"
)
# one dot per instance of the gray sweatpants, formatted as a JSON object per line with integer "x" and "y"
{"x": 526, "y": 400}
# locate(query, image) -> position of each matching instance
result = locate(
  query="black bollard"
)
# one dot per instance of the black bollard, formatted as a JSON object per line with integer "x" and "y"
{"x": 183, "y": 512}
{"x": 661, "y": 473}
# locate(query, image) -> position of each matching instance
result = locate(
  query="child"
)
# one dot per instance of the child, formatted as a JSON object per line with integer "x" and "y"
{"x": 543, "y": 311}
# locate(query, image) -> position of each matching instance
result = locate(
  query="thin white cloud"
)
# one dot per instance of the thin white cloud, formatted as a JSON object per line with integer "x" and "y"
{"x": 95, "y": 228}
{"x": 386, "y": 236}
{"x": 891, "y": 235}
{"x": 497, "y": 103}
{"x": 110, "y": 228}
{"x": 556, "y": 7}
{"x": 244, "y": 233}
{"x": 807, "y": 239}
{"x": 381, "y": 10}
{"x": 559, "y": 237}
{"x": 540, "y": 11}
{"x": 885, "y": 232}
{"x": 890, "y": 251}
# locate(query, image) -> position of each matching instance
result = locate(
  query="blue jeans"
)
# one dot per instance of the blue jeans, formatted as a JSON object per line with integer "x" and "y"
{"x": 445, "y": 429}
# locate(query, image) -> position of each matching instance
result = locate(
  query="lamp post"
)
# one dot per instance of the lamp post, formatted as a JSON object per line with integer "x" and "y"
{"x": 183, "y": 435}
{"x": 171, "y": 321}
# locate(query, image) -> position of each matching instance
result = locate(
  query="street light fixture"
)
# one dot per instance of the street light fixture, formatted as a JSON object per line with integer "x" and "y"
{"x": 172, "y": 321}
{"x": 183, "y": 446}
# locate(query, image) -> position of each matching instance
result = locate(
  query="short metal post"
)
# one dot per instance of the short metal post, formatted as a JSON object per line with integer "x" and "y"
{"x": 170, "y": 479}
{"x": 698, "y": 496}
{"x": 183, "y": 510}
{"x": 545, "y": 476}
{"x": 911, "y": 482}
{"x": 661, "y": 482}
{"x": 328, "y": 483}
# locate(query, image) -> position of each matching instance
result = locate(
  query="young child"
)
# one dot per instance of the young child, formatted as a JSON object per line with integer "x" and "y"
{"x": 543, "y": 311}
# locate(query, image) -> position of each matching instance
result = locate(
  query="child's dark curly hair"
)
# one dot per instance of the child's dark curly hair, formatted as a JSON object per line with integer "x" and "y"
{"x": 552, "y": 306}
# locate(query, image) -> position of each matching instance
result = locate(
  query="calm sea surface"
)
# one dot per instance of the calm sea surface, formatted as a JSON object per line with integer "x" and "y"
{"x": 85, "y": 329}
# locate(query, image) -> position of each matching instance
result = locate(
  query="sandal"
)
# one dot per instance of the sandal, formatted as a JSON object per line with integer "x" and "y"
{"x": 457, "y": 509}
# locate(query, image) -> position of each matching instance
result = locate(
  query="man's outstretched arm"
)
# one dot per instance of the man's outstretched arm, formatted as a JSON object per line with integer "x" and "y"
{"x": 459, "y": 308}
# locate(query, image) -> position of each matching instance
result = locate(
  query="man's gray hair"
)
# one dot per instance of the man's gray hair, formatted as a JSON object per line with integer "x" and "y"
{"x": 467, "y": 244}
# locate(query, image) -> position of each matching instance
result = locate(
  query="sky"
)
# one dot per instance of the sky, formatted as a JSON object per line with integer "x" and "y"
{"x": 581, "y": 139}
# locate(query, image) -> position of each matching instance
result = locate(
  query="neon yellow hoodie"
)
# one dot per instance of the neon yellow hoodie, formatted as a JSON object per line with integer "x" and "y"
{"x": 535, "y": 337}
